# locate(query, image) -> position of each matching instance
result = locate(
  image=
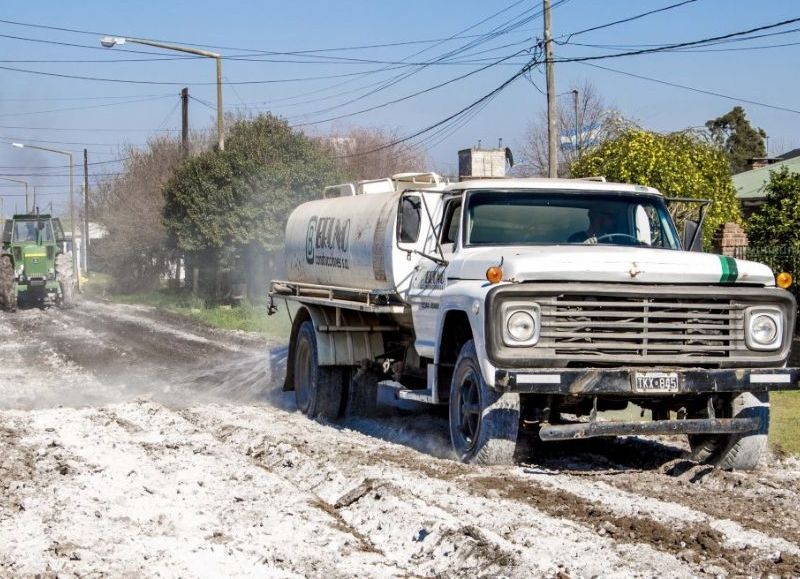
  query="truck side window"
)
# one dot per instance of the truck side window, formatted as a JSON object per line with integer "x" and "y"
{"x": 451, "y": 225}
{"x": 409, "y": 219}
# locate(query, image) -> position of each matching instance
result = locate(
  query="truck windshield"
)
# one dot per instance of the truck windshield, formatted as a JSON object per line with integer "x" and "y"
{"x": 548, "y": 218}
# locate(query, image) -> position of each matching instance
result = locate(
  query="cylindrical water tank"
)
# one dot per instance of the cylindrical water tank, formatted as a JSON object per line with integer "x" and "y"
{"x": 348, "y": 242}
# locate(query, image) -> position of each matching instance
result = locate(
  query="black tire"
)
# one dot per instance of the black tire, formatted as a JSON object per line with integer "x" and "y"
{"x": 484, "y": 424}
{"x": 317, "y": 389}
{"x": 65, "y": 279}
{"x": 8, "y": 294}
{"x": 736, "y": 451}
{"x": 362, "y": 393}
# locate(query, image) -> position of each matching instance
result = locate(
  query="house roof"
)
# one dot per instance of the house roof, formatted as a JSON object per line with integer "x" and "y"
{"x": 750, "y": 184}
{"x": 790, "y": 154}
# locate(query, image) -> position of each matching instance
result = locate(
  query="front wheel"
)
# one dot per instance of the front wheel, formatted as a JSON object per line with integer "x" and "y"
{"x": 484, "y": 424}
{"x": 736, "y": 451}
{"x": 317, "y": 389}
{"x": 8, "y": 293}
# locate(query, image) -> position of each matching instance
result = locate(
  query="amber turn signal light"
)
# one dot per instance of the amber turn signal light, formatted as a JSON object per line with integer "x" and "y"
{"x": 783, "y": 279}
{"x": 494, "y": 274}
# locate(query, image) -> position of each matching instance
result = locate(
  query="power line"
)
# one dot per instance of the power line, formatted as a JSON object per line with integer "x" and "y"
{"x": 624, "y": 20}
{"x": 679, "y": 44}
{"x": 455, "y": 115}
{"x": 87, "y": 107}
{"x": 497, "y": 31}
{"x": 693, "y": 89}
{"x": 262, "y": 51}
{"x": 409, "y": 96}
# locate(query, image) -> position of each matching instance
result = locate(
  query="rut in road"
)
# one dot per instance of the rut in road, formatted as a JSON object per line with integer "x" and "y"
{"x": 213, "y": 413}
{"x": 628, "y": 519}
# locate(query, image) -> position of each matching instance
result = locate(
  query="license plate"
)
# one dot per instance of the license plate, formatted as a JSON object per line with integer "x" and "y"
{"x": 655, "y": 382}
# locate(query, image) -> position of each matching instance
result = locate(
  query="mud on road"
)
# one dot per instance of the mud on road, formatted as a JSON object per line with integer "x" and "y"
{"x": 136, "y": 443}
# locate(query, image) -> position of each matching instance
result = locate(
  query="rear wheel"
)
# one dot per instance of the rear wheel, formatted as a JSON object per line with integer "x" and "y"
{"x": 736, "y": 451}
{"x": 65, "y": 278}
{"x": 317, "y": 389}
{"x": 484, "y": 424}
{"x": 8, "y": 293}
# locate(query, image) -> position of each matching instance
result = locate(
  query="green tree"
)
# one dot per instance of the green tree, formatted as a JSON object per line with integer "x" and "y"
{"x": 738, "y": 138}
{"x": 677, "y": 164}
{"x": 774, "y": 231}
{"x": 236, "y": 202}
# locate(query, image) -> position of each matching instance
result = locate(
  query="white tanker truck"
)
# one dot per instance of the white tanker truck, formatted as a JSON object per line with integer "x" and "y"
{"x": 531, "y": 305}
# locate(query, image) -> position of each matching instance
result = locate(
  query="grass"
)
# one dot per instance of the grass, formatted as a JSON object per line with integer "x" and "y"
{"x": 784, "y": 428}
{"x": 247, "y": 317}
{"x": 784, "y": 421}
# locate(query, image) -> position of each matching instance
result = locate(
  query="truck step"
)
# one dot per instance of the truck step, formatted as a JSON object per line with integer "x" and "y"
{"x": 425, "y": 396}
{"x": 400, "y": 393}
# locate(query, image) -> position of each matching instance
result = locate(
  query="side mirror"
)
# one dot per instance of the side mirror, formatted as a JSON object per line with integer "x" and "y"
{"x": 692, "y": 235}
{"x": 7, "y": 228}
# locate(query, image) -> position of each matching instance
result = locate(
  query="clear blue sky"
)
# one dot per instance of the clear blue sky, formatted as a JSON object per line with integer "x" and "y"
{"x": 104, "y": 119}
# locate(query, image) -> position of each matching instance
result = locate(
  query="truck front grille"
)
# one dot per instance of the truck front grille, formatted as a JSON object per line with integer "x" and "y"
{"x": 602, "y": 328}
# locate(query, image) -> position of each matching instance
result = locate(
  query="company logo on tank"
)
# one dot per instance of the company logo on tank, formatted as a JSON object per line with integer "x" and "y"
{"x": 328, "y": 242}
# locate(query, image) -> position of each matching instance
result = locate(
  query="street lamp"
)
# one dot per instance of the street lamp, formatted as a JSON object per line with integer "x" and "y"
{"x": 111, "y": 41}
{"x": 75, "y": 274}
{"x": 26, "y": 190}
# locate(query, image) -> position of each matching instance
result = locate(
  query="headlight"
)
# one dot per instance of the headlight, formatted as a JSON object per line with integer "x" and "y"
{"x": 764, "y": 329}
{"x": 520, "y": 324}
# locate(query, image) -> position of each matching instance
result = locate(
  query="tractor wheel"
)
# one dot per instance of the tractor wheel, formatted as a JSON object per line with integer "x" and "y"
{"x": 8, "y": 293}
{"x": 65, "y": 279}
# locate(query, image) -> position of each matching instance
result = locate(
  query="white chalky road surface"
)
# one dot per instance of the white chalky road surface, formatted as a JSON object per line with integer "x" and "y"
{"x": 134, "y": 443}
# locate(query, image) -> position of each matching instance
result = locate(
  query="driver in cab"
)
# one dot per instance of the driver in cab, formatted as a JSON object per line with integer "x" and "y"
{"x": 602, "y": 222}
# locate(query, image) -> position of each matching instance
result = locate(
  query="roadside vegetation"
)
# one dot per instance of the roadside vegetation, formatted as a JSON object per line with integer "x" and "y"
{"x": 244, "y": 316}
{"x": 784, "y": 428}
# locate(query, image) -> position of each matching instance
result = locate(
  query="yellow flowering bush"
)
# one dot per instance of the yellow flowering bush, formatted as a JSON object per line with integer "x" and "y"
{"x": 677, "y": 164}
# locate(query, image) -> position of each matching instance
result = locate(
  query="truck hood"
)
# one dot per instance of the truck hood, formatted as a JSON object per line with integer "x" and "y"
{"x": 607, "y": 264}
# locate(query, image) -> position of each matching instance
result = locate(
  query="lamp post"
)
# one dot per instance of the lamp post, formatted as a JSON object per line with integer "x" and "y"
{"x": 111, "y": 41}
{"x": 26, "y": 190}
{"x": 75, "y": 273}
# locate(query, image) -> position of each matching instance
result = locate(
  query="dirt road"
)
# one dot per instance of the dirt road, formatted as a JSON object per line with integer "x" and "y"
{"x": 134, "y": 443}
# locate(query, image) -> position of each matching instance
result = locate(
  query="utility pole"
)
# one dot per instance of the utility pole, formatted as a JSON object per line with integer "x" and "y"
{"x": 185, "y": 122}
{"x": 577, "y": 125}
{"x": 552, "y": 128}
{"x": 86, "y": 211}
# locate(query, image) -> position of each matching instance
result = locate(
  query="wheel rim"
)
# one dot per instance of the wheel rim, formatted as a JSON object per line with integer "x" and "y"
{"x": 302, "y": 373}
{"x": 469, "y": 408}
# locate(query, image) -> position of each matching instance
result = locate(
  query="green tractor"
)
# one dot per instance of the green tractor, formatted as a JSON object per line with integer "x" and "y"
{"x": 34, "y": 269}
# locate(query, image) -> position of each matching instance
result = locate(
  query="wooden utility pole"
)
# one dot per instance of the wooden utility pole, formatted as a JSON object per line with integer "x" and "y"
{"x": 552, "y": 126}
{"x": 577, "y": 125}
{"x": 86, "y": 211}
{"x": 185, "y": 122}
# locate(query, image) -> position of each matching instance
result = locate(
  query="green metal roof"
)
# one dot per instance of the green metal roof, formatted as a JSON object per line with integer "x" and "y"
{"x": 750, "y": 184}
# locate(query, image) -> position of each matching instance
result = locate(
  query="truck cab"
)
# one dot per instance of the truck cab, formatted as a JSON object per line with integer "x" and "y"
{"x": 530, "y": 305}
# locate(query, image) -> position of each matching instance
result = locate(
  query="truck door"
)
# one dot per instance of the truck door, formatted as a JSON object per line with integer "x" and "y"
{"x": 430, "y": 277}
